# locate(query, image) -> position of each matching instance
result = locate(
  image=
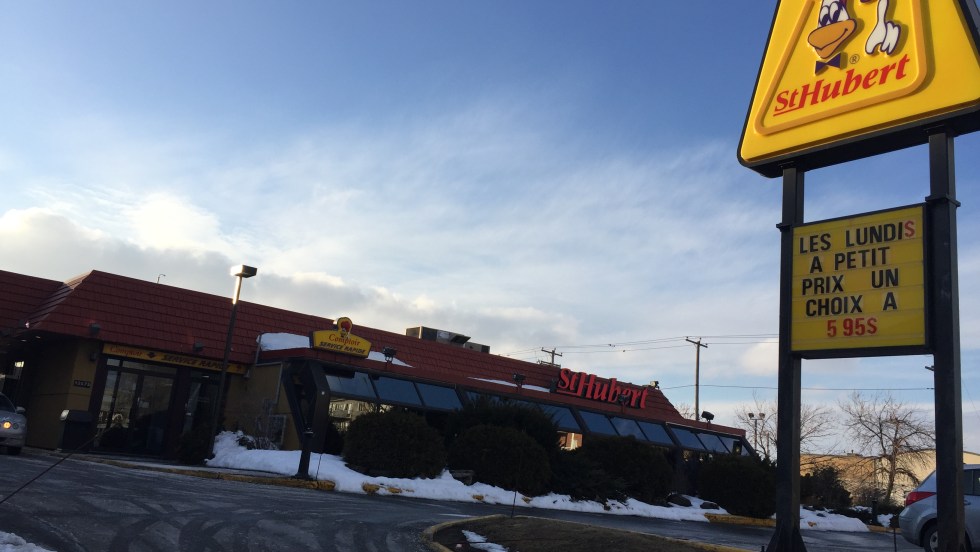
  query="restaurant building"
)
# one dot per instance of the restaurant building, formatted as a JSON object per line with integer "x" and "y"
{"x": 122, "y": 365}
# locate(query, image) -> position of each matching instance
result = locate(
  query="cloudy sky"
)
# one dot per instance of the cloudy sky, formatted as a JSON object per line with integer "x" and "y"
{"x": 536, "y": 175}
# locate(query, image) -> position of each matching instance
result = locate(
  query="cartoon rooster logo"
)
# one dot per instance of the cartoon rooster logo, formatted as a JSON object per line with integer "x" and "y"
{"x": 835, "y": 26}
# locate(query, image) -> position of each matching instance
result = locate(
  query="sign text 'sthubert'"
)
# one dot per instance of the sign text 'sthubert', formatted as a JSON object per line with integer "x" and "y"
{"x": 827, "y": 90}
{"x": 589, "y": 386}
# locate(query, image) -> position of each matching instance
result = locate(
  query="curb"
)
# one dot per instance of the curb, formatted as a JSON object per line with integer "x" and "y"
{"x": 241, "y": 478}
{"x": 740, "y": 520}
{"x": 428, "y": 536}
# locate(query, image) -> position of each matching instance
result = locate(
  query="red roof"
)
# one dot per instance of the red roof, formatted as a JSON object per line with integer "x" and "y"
{"x": 150, "y": 315}
{"x": 19, "y": 295}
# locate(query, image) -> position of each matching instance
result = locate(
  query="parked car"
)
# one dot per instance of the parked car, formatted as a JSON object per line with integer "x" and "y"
{"x": 13, "y": 425}
{"x": 918, "y": 519}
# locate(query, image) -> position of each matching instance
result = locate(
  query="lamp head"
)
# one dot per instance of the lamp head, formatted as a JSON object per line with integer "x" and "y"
{"x": 244, "y": 271}
{"x": 389, "y": 353}
{"x": 707, "y": 416}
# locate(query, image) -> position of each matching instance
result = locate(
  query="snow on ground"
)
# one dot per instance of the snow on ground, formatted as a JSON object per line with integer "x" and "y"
{"x": 229, "y": 454}
{"x": 13, "y": 543}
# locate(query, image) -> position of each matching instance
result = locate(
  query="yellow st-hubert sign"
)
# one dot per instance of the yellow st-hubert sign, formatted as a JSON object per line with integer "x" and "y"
{"x": 859, "y": 282}
{"x": 835, "y": 70}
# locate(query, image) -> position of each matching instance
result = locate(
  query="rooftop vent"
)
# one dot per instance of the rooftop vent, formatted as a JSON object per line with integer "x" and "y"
{"x": 443, "y": 336}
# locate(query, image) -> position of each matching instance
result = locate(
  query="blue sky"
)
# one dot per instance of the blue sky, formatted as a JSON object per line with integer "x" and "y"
{"x": 531, "y": 174}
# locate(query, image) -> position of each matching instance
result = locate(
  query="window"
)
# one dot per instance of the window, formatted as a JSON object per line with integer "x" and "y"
{"x": 971, "y": 486}
{"x": 562, "y": 417}
{"x": 713, "y": 443}
{"x": 597, "y": 423}
{"x": 397, "y": 391}
{"x": 734, "y": 445}
{"x": 687, "y": 439}
{"x": 357, "y": 385}
{"x": 437, "y": 396}
{"x": 628, "y": 428}
{"x": 656, "y": 433}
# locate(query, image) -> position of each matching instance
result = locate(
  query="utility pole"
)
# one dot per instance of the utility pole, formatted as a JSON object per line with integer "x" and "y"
{"x": 697, "y": 374}
{"x": 553, "y": 352}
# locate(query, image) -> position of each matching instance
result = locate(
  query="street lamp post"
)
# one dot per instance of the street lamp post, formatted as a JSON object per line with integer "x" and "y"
{"x": 755, "y": 428}
{"x": 239, "y": 272}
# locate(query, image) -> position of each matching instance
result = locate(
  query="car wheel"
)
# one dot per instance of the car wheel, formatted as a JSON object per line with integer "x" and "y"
{"x": 930, "y": 539}
{"x": 13, "y": 451}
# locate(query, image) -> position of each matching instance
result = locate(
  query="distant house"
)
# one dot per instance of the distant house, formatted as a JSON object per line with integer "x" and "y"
{"x": 863, "y": 476}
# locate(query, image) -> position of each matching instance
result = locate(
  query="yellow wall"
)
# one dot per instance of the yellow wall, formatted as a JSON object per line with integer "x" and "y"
{"x": 53, "y": 389}
{"x": 251, "y": 399}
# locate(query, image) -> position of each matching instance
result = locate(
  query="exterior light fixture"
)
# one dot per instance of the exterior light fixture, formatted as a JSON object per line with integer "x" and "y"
{"x": 519, "y": 378}
{"x": 756, "y": 418}
{"x": 240, "y": 272}
{"x": 389, "y": 353}
{"x": 94, "y": 328}
{"x": 198, "y": 347}
{"x": 708, "y": 416}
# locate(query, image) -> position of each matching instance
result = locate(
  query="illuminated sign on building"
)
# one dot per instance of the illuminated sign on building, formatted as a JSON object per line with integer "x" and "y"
{"x": 341, "y": 340}
{"x": 589, "y": 386}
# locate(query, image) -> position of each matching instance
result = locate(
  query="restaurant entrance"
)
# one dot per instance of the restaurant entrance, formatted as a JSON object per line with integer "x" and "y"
{"x": 135, "y": 408}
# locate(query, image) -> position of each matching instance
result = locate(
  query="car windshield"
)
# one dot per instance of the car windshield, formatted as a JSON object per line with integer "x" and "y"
{"x": 6, "y": 405}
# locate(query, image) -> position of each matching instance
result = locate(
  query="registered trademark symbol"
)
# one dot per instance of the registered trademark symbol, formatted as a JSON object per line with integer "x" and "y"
{"x": 854, "y": 59}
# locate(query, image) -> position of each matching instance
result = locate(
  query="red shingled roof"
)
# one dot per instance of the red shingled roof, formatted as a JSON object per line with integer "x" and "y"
{"x": 19, "y": 295}
{"x": 157, "y": 316}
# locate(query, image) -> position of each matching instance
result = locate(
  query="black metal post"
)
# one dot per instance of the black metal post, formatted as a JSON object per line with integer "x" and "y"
{"x": 216, "y": 408}
{"x": 944, "y": 333}
{"x": 787, "y": 536}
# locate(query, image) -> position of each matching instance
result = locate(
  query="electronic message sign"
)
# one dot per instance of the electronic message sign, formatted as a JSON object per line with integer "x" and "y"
{"x": 859, "y": 284}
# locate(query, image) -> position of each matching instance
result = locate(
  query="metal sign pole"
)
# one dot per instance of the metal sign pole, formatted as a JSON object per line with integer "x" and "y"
{"x": 787, "y": 537}
{"x": 944, "y": 330}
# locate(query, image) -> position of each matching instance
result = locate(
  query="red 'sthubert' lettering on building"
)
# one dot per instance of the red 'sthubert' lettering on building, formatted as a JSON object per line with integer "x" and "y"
{"x": 588, "y": 386}
{"x": 824, "y": 90}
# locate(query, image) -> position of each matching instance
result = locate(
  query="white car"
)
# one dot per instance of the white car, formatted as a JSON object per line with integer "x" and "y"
{"x": 918, "y": 519}
{"x": 13, "y": 425}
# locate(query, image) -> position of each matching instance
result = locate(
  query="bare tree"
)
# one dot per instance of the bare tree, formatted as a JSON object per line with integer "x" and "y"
{"x": 896, "y": 437}
{"x": 686, "y": 410}
{"x": 817, "y": 425}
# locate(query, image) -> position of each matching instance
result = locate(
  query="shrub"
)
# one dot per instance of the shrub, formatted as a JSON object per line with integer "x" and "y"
{"x": 256, "y": 443}
{"x": 823, "y": 489}
{"x": 503, "y": 457}
{"x": 194, "y": 446}
{"x": 583, "y": 478}
{"x": 643, "y": 469}
{"x": 742, "y": 485}
{"x": 526, "y": 419}
{"x": 333, "y": 441}
{"x": 394, "y": 444}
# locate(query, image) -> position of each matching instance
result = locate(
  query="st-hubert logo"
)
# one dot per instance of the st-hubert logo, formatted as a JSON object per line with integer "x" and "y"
{"x": 845, "y": 55}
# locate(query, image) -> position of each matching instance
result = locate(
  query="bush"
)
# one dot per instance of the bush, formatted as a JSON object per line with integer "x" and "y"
{"x": 333, "y": 442}
{"x": 643, "y": 469}
{"x": 194, "y": 446}
{"x": 526, "y": 419}
{"x": 503, "y": 457}
{"x": 583, "y": 478}
{"x": 394, "y": 444}
{"x": 823, "y": 489}
{"x": 742, "y": 485}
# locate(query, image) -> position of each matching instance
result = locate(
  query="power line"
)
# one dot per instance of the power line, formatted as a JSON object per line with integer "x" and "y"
{"x": 808, "y": 388}
{"x": 638, "y": 345}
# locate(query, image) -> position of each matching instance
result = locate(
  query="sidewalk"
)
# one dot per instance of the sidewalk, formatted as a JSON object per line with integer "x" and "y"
{"x": 169, "y": 466}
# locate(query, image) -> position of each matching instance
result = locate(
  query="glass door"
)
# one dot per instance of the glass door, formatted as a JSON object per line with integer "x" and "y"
{"x": 135, "y": 411}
